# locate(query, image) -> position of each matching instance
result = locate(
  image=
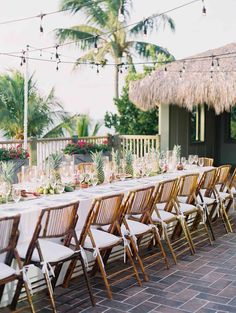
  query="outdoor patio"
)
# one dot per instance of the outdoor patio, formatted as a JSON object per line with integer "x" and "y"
{"x": 203, "y": 283}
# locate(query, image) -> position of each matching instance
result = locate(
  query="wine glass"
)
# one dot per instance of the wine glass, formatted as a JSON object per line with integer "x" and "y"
{"x": 195, "y": 157}
{"x": 60, "y": 187}
{"x": 16, "y": 194}
{"x": 201, "y": 162}
{"x": 94, "y": 180}
{"x": 183, "y": 161}
{"x": 191, "y": 159}
{"x": 6, "y": 190}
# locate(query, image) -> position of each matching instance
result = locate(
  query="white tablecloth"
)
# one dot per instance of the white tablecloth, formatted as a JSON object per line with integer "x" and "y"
{"x": 30, "y": 209}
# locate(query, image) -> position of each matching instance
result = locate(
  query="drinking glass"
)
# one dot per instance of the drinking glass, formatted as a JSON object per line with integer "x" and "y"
{"x": 201, "y": 162}
{"x": 122, "y": 176}
{"x": 6, "y": 190}
{"x": 16, "y": 194}
{"x": 183, "y": 161}
{"x": 191, "y": 159}
{"x": 60, "y": 188}
{"x": 195, "y": 159}
{"x": 94, "y": 180}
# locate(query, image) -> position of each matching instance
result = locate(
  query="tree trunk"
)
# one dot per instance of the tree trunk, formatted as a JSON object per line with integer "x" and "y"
{"x": 116, "y": 96}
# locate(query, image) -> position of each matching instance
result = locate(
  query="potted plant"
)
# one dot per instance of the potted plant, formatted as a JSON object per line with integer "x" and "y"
{"x": 17, "y": 155}
{"x": 82, "y": 150}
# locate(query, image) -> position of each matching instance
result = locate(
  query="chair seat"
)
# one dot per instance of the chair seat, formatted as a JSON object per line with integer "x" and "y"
{"x": 186, "y": 208}
{"x": 225, "y": 195}
{"x": 52, "y": 252}
{"x": 165, "y": 216}
{"x": 102, "y": 239}
{"x": 137, "y": 228}
{"x": 206, "y": 200}
{"x": 6, "y": 271}
{"x": 182, "y": 199}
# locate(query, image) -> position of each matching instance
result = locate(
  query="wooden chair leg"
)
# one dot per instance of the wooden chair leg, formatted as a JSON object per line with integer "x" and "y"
{"x": 86, "y": 277}
{"x": 104, "y": 276}
{"x": 29, "y": 297}
{"x": 69, "y": 273}
{"x": 57, "y": 273}
{"x": 133, "y": 265}
{"x": 16, "y": 294}
{"x": 50, "y": 291}
{"x": 167, "y": 239}
{"x": 136, "y": 255}
{"x": 186, "y": 234}
{"x": 158, "y": 240}
{"x": 209, "y": 225}
{"x": 226, "y": 218}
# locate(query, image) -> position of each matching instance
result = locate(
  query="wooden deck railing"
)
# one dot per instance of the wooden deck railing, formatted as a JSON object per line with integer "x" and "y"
{"x": 40, "y": 149}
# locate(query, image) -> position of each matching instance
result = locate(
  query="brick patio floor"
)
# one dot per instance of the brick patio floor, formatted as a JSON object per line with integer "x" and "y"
{"x": 203, "y": 283}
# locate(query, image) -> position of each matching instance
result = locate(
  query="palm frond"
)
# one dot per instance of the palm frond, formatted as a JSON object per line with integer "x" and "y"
{"x": 148, "y": 50}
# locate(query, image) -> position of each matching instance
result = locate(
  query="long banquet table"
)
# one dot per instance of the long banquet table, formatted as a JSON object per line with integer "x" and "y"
{"x": 30, "y": 210}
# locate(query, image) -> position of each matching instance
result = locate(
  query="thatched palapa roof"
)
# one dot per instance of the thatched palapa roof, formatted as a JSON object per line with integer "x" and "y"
{"x": 198, "y": 84}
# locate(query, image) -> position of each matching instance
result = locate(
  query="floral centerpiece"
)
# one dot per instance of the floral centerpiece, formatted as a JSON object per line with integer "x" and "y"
{"x": 82, "y": 150}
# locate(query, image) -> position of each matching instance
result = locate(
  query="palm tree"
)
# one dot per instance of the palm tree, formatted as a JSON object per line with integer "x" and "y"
{"x": 43, "y": 112}
{"x": 104, "y": 34}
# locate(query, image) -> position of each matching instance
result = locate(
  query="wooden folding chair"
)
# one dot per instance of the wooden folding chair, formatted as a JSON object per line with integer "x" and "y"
{"x": 101, "y": 233}
{"x": 138, "y": 224}
{"x": 207, "y": 161}
{"x": 44, "y": 252}
{"x": 9, "y": 234}
{"x": 223, "y": 193}
{"x": 232, "y": 189}
{"x": 193, "y": 212}
{"x": 166, "y": 214}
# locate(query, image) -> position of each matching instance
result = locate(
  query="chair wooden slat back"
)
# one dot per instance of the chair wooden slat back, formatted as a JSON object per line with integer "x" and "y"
{"x": 223, "y": 173}
{"x": 57, "y": 222}
{"x": 85, "y": 167}
{"x": 207, "y": 161}
{"x": 166, "y": 191}
{"x": 207, "y": 181}
{"x": 232, "y": 182}
{"x": 187, "y": 185}
{"x": 139, "y": 200}
{"x": 106, "y": 210}
{"x": 8, "y": 233}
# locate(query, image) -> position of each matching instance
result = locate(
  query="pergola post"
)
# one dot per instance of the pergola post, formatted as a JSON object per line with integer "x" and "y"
{"x": 26, "y": 81}
{"x": 164, "y": 121}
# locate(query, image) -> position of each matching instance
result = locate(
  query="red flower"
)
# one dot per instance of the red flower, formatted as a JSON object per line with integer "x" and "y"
{"x": 81, "y": 143}
{"x": 105, "y": 141}
{"x": 19, "y": 146}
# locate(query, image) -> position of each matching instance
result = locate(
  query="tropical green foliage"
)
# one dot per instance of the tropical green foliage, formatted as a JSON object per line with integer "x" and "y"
{"x": 115, "y": 41}
{"x": 233, "y": 123}
{"x": 13, "y": 153}
{"x": 84, "y": 147}
{"x": 43, "y": 112}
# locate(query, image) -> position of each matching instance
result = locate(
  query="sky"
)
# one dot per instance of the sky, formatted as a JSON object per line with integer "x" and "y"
{"x": 85, "y": 91}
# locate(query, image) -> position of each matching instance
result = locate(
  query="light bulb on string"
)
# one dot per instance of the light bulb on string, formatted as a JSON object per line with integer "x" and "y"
{"x": 145, "y": 27}
{"x": 56, "y": 53}
{"x": 41, "y": 23}
{"x": 184, "y": 67}
{"x": 41, "y": 53}
{"x": 203, "y": 8}
{"x": 165, "y": 70}
{"x": 180, "y": 74}
{"x": 212, "y": 64}
{"x": 211, "y": 76}
{"x": 58, "y": 62}
{"x": 218, "y": 64}
{"x": 96, "y": 44}
{"x": 97, "y": 68}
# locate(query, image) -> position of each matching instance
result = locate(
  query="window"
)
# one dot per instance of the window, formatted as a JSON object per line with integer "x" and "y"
{"x": 197, "y": 124}
{"x": 232, "y": 124}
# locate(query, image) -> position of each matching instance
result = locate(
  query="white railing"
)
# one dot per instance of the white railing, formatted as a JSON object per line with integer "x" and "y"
{"x": 139, "y": 145}
{"x": 40, "y": 149}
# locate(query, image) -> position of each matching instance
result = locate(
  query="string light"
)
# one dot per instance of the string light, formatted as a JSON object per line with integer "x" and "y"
{"x": 145, "y": 27}
{"x": 97, "y": 68}
{"x": 212, "y": 64}
{"x": 58, "y": 62}
{"x": 218, "y": 64}
{"x": 56, "y": 53}
{"x": 211, "y": 75}
{"x": 180, "y": 74}
{"x": 41, "y": 23}
{"x": 184, "y": 67}
{"x": 96, "y": 44}
{"x": 203, "y": 8}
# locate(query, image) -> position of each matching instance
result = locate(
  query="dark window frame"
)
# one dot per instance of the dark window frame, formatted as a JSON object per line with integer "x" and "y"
{"x": 198, "y": 142}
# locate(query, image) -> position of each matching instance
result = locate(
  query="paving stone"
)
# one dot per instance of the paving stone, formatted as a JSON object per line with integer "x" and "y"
{"x": 193, "y": 305}
{"x": 213, "y": 298}
{"x": 146, "y": 307}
